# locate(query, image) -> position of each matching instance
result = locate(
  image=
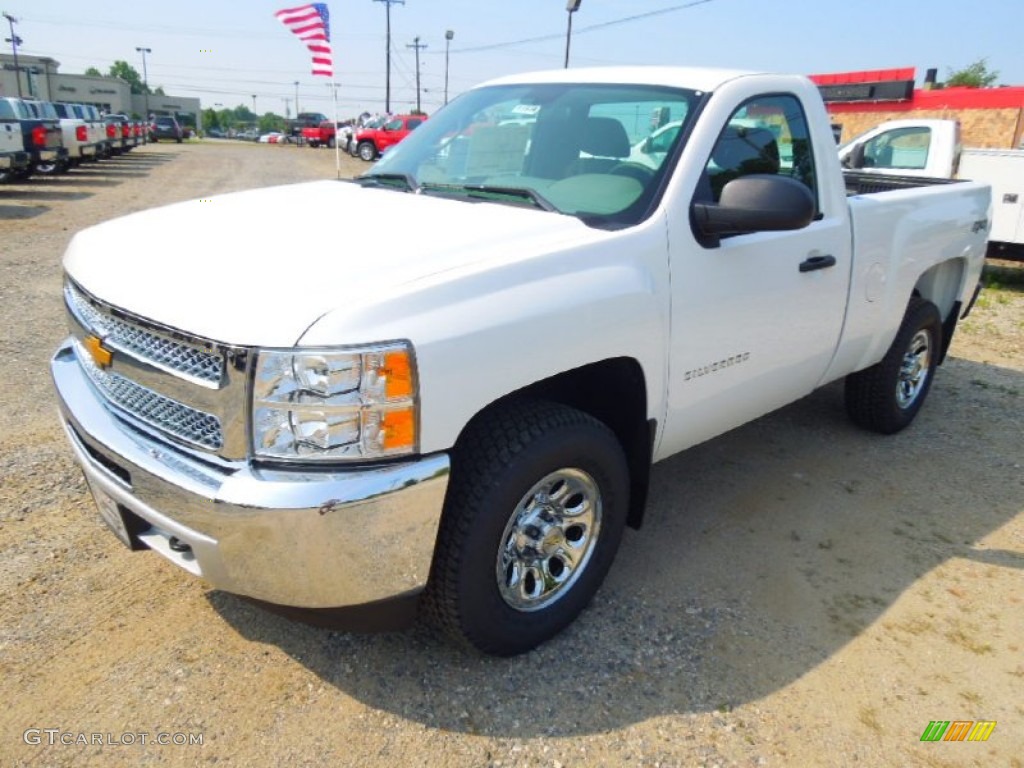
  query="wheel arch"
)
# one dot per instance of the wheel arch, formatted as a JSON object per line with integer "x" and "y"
{"x": 613, "y": 391}
{"x": 942, "y": 285}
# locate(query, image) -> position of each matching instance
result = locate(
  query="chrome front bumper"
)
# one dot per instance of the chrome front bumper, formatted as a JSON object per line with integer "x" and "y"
{"x": 308, "y": 539}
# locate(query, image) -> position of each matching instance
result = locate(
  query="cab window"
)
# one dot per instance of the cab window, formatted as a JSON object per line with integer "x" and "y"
{"x": 767, "y": 134}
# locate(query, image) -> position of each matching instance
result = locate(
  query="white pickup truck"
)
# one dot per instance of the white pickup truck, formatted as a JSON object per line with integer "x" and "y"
{"x": 910, "y": 151}
{"x": 14, "y": 160}
{"x": 464, "y": 417}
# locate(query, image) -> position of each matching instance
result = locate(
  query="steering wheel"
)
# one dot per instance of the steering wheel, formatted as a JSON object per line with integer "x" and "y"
{"x": 637, "y": 171}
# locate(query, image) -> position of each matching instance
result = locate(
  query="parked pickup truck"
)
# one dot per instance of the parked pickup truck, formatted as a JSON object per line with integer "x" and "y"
{"x": 319, "y": 135}
{"x": 40, "y": 132}
{"x": 83, "y": 139}
{"x": 370, "y": 142}
{"x": 466, "y": 422}
{"x": 906, "y": 152}
{"x": 14, "y": 160}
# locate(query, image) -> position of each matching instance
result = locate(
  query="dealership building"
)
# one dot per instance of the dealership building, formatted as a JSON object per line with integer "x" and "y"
{"x": 41, "y": 79}
{"x": 858, "y": 101}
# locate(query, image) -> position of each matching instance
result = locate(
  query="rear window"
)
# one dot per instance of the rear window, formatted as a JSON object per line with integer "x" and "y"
{"x": 7, "y": 111}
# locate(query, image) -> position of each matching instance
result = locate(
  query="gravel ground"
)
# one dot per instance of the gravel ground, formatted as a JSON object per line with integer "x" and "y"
{"x": 802, "y": 593}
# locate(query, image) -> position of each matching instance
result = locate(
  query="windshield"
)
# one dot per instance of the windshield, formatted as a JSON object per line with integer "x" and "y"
{"x": 593, "y": 151}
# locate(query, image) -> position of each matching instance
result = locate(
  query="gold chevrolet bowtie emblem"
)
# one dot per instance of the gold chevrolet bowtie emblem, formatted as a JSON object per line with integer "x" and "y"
{"x": 101, "y": 356}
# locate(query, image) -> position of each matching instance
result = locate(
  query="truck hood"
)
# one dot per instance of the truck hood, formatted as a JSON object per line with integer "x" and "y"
{"x": 259, "y": 267}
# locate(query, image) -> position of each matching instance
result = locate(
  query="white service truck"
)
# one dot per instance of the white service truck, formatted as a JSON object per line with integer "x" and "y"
{"x": 931, "y": 149}
{"x": 462, "y": 416}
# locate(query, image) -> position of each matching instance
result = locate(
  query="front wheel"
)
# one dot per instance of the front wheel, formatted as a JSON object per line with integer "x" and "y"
{"x": 367, "y": 151}
{"x": 533, "y": 518}
{"x": 887, "y": 396}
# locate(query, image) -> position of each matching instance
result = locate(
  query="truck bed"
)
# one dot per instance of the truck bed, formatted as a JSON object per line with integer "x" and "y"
{"x": 860, "y": 183}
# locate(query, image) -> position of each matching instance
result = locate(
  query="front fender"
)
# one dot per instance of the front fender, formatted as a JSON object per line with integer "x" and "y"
{"x": 491, "y": 330}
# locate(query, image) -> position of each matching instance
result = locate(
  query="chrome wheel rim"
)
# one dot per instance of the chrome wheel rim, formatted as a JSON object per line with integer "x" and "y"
{"x": 914, "y": 369}
{"x": 549, "y": 540}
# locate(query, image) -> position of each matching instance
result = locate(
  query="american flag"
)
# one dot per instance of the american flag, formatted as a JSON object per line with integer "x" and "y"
{"x": 312, "y": 24}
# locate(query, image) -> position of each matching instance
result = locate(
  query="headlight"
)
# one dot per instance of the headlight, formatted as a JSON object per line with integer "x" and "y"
{"x": 353, "y": 403}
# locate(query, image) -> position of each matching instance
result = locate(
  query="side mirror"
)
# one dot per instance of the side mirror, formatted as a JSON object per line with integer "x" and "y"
{"x": 756, "y": 203}
{"x": 855, "y": 158}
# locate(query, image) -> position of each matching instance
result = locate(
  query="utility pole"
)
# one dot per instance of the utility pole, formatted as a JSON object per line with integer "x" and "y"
{"x": 448, "y": 35}
{"x": 387, "y": 49}
{"x": 571, "y": 6}
{"x": 15, "y": 41}
{"x": 417, "y": 46}
{"x": 145, "y": 76}
{"x": 254, "y": 103}
{"x": 287, "y": 107}
{"x": 296, "y": 98}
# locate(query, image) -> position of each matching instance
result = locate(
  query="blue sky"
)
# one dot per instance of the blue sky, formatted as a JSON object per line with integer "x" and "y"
{"x": 224, "y": 52}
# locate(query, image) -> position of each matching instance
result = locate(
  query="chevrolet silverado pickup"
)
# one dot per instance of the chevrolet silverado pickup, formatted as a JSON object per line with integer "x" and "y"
{"x": 14, "y": 160}
{"x": 40, "y": 132}
{"x": 464, "y": 422}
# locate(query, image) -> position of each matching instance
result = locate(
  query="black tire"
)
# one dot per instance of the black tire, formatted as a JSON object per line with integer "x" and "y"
{"x": 887, "y": 396}
{"x": 367, "y": 151}
{"x": 179, "y": 139}
{"x": 330, "y": 143}
{"x": 504, "y": 457}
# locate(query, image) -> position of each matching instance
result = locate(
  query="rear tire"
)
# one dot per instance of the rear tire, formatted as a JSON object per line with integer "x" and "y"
{"x": 886, "y": 397}
{"x": 533, "y": 518}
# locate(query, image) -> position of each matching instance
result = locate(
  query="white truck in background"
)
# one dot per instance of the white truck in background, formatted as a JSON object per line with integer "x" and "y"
{"x": 466, "y": 420}
{"x": 931, "y": 149}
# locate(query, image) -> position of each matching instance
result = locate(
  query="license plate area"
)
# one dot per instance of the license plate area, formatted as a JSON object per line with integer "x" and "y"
{"x": 110, "y": 511}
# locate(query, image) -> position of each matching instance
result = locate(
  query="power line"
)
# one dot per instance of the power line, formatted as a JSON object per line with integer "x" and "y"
{"x": 583, "y": 30}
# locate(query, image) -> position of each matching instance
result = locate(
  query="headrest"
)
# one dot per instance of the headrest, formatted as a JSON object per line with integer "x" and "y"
{"x": 747, "y": 150}
{"x": 604, "y": 137}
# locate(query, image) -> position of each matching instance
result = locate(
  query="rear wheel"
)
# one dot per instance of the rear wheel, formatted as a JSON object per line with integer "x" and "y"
{"x": 533, "y": 519}
{"x": 887, "y": 396}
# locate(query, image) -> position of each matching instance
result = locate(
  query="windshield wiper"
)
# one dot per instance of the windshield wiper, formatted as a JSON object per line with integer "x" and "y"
{"x": 383, "y": 179}
{"x": 490, "y": 192}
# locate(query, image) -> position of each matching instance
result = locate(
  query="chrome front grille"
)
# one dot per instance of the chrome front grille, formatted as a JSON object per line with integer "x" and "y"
{"x": 170, "y": 354}
{"x": 163, "y": 413}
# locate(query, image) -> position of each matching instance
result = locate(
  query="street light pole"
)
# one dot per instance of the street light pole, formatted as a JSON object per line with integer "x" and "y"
{"x": 297, "y": 98}
{"x": 417, "y": 46}
{"x": 15, "y": 41}
{"x": 387, "y": 49}
{"x": 448, "y": 35}
{"x": 145, "y": 76}
{"x": 571, "y": 6}
{"x": 254, "y": 103}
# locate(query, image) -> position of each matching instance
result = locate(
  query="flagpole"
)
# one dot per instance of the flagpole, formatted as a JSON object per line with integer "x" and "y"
{"x": 337, "y": 137}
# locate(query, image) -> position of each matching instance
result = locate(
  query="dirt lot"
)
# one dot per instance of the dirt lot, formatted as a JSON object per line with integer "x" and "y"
{"x": 802, "y": 593}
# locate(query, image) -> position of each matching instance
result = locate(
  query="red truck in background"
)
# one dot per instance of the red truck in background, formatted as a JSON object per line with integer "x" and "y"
{"x": 371, "y": 143}
{"x": 320, "y": 134}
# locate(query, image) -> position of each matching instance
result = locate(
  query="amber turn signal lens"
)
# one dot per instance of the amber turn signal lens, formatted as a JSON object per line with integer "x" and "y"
{"x": 398, "y": 428}
{"x": 397, "y": 372}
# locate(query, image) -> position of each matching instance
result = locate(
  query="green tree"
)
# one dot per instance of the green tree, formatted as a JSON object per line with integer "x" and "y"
{"x": 271, "y": 122}
{"x": 93, "y": 72}
{"x": 976, "y": 75}
{"x": 211, "y": 119}
{"x": 128, "y": 73}
{"x": 159, "y": 91}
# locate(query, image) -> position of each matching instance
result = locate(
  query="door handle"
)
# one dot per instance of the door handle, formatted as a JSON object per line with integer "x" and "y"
{"x": 817, "y": 262}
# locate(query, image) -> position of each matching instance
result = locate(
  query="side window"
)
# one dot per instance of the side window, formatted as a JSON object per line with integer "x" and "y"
{"x": 394, "y": 125}
{"x": 767, "y": 134}
{"x": 905, "y": 148}
{"x": 414, "y": 123}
